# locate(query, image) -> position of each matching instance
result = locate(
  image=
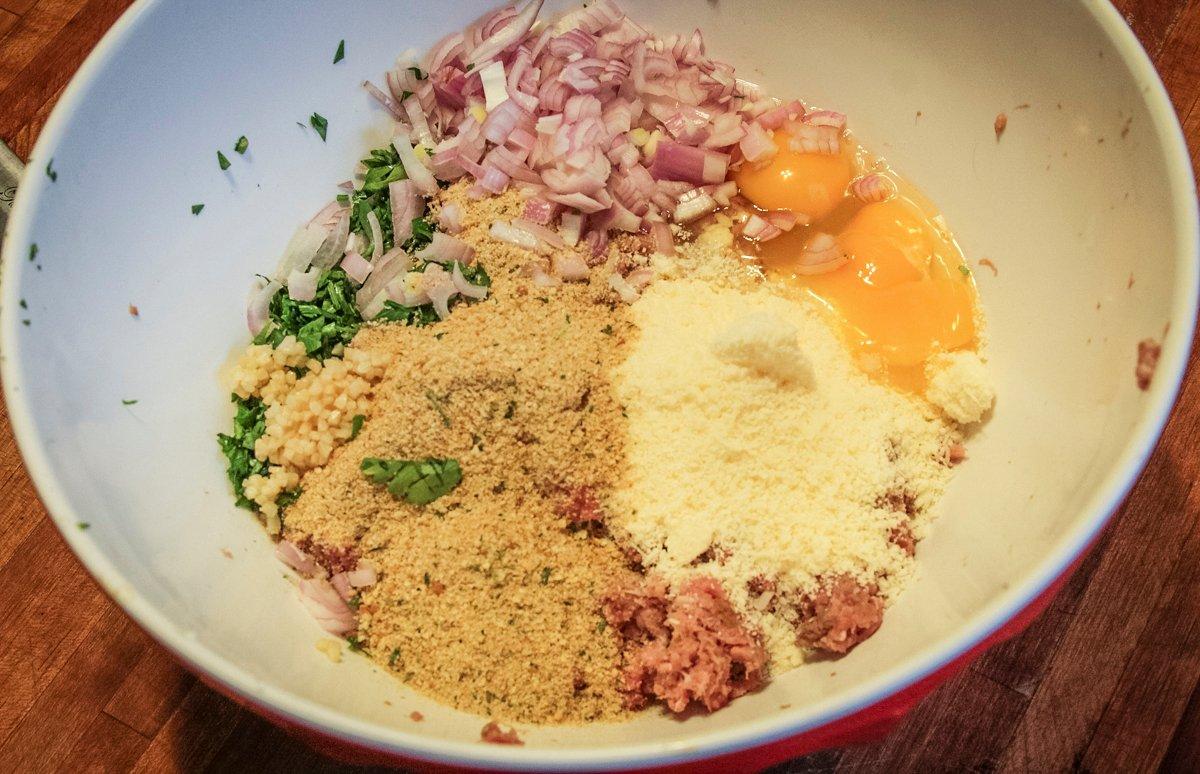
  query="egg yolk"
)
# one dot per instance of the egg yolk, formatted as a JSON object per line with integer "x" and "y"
{"x": 811, "y": 184}
{"x": 903, "y": 296}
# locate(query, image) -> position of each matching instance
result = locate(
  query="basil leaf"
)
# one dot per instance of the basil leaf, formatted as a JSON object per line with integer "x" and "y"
{"x": 420, "y": 482}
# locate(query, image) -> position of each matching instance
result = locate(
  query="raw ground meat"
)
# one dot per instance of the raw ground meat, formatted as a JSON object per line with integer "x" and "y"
{"x": 838, "y": 617}
{"x": 333, "y": 559}
{"x": 492, "y": 733}
{"x": 691, "y": 647}
{"x": 1149, "y": 351}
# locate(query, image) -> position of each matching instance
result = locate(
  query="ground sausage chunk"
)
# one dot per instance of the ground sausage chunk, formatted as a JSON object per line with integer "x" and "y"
{"x": 690, "y": 647}
{"x": 492, "y": 733}
{"x": 839, "y": 616}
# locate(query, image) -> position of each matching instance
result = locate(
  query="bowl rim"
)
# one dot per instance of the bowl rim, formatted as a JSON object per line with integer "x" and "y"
{"x": 1105, "y": 500}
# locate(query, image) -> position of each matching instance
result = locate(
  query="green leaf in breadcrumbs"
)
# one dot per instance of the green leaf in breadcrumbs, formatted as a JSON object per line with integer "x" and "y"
{"x": 546, "y": 575}
{"x": 356, "y": 644}
{"x": 393, "y": 656}
{"x": 241, "y": 145}
{"x": 356, "y": 424}
{"x": 197, "y": 209}
{"x": 320, "y": 123}
{"x": 222, "y": 161}
{"x": 420, "y": 482}
{"x": 340, "y": 54}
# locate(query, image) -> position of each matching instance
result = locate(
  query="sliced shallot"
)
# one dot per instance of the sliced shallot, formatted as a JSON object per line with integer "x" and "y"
{"x": 326, "y": 605}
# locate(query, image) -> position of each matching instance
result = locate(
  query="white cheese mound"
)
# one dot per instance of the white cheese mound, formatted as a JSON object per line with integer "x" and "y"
{"x": 765, "y": 345}
{"x": 782, "y": 482}
{"x": 959, "y": 385}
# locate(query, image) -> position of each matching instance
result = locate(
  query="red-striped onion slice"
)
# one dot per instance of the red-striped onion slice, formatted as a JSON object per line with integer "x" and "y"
{"x": 508, "y": 35}
{"x": 302, "y": 285}
{"x": 325, "y": 605}
{"x": 417, "y": 172}
{"x": 506, "y": 232}
{"x": 407, "y": 204}
{"x": 547, "y": 235}
{"x": 570, "y": 267}
{"x": 341, "y": 584}
{"x": 571, "y": 228}
{"x": 692, "y": 205}
{"x": 356, "y": 267}
{"x": 830, "y": 118}
{"x": 758, "y": 229}
{"x": 673, "y": 161}
{"x": 477, "y": 292}
{"x": 334, "y": 246}
{"x": 259, "y": 307}
{"x": 362, "y": 576}
{"x": 664, "y": 240}
{"x": 821, "y": 255}
{"x": 444, "y": 248}
{"x": 290, "y": 554}
{"x": 439, "y": 286}
{"x": 376, "y": 235}
{"x": 450, "y": 218}
{"x": 626, "y": 291}
{"x": 873, "y": 188}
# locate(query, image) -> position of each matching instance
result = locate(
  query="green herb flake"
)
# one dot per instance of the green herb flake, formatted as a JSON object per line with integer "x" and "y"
{"x": 356, "y": 644}
{"x": 241, "y": 145}
{"x": 249, "y": 424}
{"x": 425, "y": 577}
{"x": 197, "y": 209}
{"x": 50, "y": 173}
{"x": 420, "y": 482}
{"x": 546, "y": 575}
{"x": 26, "y": 323}
{"x": 340, "y": 54}
{"x": 607, "y": 330}
{"x": 82, "y": 525}
{"x": 222, "y": 161}
{"x": 33, "y": 251}
{"x": 320, "y": 123}
{"x": 325, "y": 323}
{"x": 287, "y": 498}
{"x": 416, "y": 71}
{"x": 436, "y": 402}
{"x": 23, "y": 304}
{"x": 510, "y": 409}
{"x": 392, "y": 658}
{"x": 356, "y": 425}
{"x": 966, "y": 272}
{"x": 355, "y": 602}
{"x": 601, "y": 625}
{"x": 129, "y": 402}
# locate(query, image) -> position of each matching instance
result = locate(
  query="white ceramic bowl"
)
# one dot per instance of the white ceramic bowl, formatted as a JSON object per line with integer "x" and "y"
{"x": 1089, "y": 185}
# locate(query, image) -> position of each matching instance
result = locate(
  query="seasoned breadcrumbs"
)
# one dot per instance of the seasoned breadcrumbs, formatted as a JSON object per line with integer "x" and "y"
{"x": 487, "y": 599}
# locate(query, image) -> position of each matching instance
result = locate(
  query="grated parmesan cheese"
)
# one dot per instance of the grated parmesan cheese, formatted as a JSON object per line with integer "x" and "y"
{"x": 734, "y": 475}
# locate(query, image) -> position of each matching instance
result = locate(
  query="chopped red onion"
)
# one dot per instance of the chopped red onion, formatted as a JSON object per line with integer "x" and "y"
{"x": 873, "y": 188}
{"x": 508, "y": 35}
{"x": 570, "y": 267}
{"x": 693, "y": 205}
{"x": 623, "y": 288}
{"x": 786, "y": 220}
{"x": 407, "y": 204}
{"x": 373, "y": 307}
{"x": 258, "y": 309}
{"x": 444, "y": 248}
{"x": 325, "y": 605}
{"x": 334, "y": 246}
{"x": 290, "y": 554}
{"x": 420, "y": 125}
{"x": 541, "y": 277}
{"x": 543, "y": 233}
{"x": 341, "y": 584}
{"x": 439, "y": 286}
{"x": 356, "y": 267}
{"x": 478, "y": 292}
{"x": 362, "y": 576}
{"x": 450, "y": 218}
{"x": 807, "y": 138}
{"x": 540, "y": 211}
{"x": 664, "y": 240}
{"x": 506, "y": 232}
{"x": 376, "y": 235}
{"x": 821, "y": 255}
{"x": 830, "y": 118}
{"x": 758, "y": 229}
{"x": 571, "y": 228}
{"x": 638, "y": 279}
{"x": 416, "y": 171}
{"x": 302, "y": 285}
{"x": 757, "y": 145}
{"x": 383, "y": 99}
{"x": 495, "y": 86}
{"x": 673, "y": 161}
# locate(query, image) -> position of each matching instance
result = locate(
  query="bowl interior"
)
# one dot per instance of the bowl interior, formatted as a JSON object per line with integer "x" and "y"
{"x": 1082, "y": 205}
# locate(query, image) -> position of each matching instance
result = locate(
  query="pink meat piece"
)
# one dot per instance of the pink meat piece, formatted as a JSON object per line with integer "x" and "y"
{"x": 492, "y": 733}
{"x": 1149, "y": 351}
{"x": 692, "y": 647}
{"x": 839, "y": 616}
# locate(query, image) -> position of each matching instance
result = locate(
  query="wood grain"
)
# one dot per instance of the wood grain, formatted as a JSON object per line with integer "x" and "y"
{"x": 1107, "y": 679}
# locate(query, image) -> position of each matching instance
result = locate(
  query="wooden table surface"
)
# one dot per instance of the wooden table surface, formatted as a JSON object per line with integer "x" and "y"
{"x": 1107, "y": 679}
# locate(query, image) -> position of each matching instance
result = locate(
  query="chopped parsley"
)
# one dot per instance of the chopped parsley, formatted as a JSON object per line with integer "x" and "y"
{"x": 423, "y": 315}
{"x": 23, "y": 304}
{"x": 425, "y": 578}
{"x": 966, "y": 272}
{"x": 324, "y": 324}
{"x": 33, "y": 251}
{"x": 129, "y": 402}
{"x": 356, "y": 644}
{"x": 26, "y": 323}
{"x": 601, "y": 625}
{"x": 197, "y": 209}
{"x": 546, "y": 575}
{"x": 288, "y": 497}
{"x": 82, "y": 525}
{"x": 416, "y": 71}
{"x": 50, "y": 173}
{"x": 607, "y": 330}
{"x": 356, "y": 425}
{"x": 222, "y": 161}
{"x": 249, "y": 423}
{"x": 320, "y": 123}
{"x": 340, "y": 54}
{"x": 393, "y": 656}
{"x": 436, "y": 402}
{"x": 420, "y": 482}
{"x": 355, "y": 602}
{"x": 241, "y": 145}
